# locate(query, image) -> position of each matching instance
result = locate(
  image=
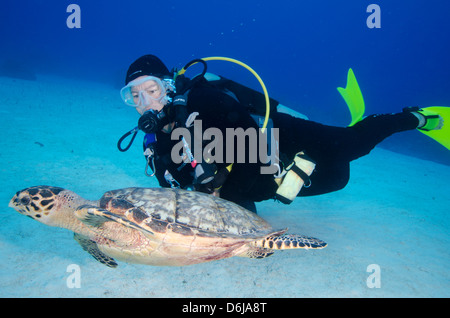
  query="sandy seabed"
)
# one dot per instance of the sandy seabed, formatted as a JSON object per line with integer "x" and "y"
{"x": 394, "y": 213}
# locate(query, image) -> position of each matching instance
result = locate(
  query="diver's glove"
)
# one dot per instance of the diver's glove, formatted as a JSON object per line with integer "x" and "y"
{"x": 213, "y": 185}
{"x": 204, "y": 173}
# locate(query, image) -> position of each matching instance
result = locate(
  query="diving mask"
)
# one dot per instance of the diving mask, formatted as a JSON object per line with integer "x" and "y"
{"x": 142, "y": 92}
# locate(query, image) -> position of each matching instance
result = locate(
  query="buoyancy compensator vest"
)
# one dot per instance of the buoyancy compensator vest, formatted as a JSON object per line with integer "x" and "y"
{"x": 290, "y": 179}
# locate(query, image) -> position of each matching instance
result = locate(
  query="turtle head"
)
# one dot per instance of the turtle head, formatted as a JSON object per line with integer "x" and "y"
{"x": 38, "y": 202}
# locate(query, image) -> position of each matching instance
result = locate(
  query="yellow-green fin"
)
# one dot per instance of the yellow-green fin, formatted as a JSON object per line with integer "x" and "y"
{"x": 353, "y": 97}
{"x": 442, "y": 135}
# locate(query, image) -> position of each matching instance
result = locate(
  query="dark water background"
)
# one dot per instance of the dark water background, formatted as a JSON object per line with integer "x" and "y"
{"x": 301, "y": 49}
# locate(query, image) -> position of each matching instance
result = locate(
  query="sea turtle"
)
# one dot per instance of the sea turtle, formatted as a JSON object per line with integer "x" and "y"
{"x": 157, "y": 226}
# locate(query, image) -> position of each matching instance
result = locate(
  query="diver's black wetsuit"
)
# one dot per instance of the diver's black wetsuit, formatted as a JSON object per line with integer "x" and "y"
{"x": 332, "y": 148}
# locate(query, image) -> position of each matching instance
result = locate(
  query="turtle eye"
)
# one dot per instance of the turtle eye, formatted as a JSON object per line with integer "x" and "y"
{"x": 25, "y": 200}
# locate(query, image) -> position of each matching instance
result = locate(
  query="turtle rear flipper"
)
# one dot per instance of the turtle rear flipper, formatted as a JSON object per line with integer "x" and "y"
{"x": 91, "y": 247}
{"x": 291, "y": 241}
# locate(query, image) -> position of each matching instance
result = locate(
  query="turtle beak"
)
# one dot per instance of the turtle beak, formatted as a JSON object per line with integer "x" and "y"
{"x": 13, "y": 202}
{"x": 19, "y": 203}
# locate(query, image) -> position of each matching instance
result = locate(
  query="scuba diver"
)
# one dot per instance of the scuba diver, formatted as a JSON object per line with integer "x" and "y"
{"x": 312, "y": 158}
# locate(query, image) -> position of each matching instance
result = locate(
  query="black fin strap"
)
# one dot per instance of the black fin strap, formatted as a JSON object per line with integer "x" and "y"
{"x": 426, "y": 121}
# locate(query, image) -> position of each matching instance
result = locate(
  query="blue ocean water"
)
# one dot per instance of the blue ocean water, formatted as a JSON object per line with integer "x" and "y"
{"x": 301, "y": 49}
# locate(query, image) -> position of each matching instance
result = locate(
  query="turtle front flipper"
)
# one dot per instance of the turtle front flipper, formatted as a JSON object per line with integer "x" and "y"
{"x": 91, "y": 247}
{"x": 95, "y": 216}
{"x": 291, "y": 241}
{"x": 92, "y": 215}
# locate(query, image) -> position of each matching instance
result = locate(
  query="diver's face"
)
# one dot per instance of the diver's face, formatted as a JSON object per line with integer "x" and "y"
{"x": 147, "y": 95}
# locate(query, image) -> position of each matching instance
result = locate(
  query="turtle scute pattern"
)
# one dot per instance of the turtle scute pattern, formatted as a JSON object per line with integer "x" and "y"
{"x": 187, "y": 208}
